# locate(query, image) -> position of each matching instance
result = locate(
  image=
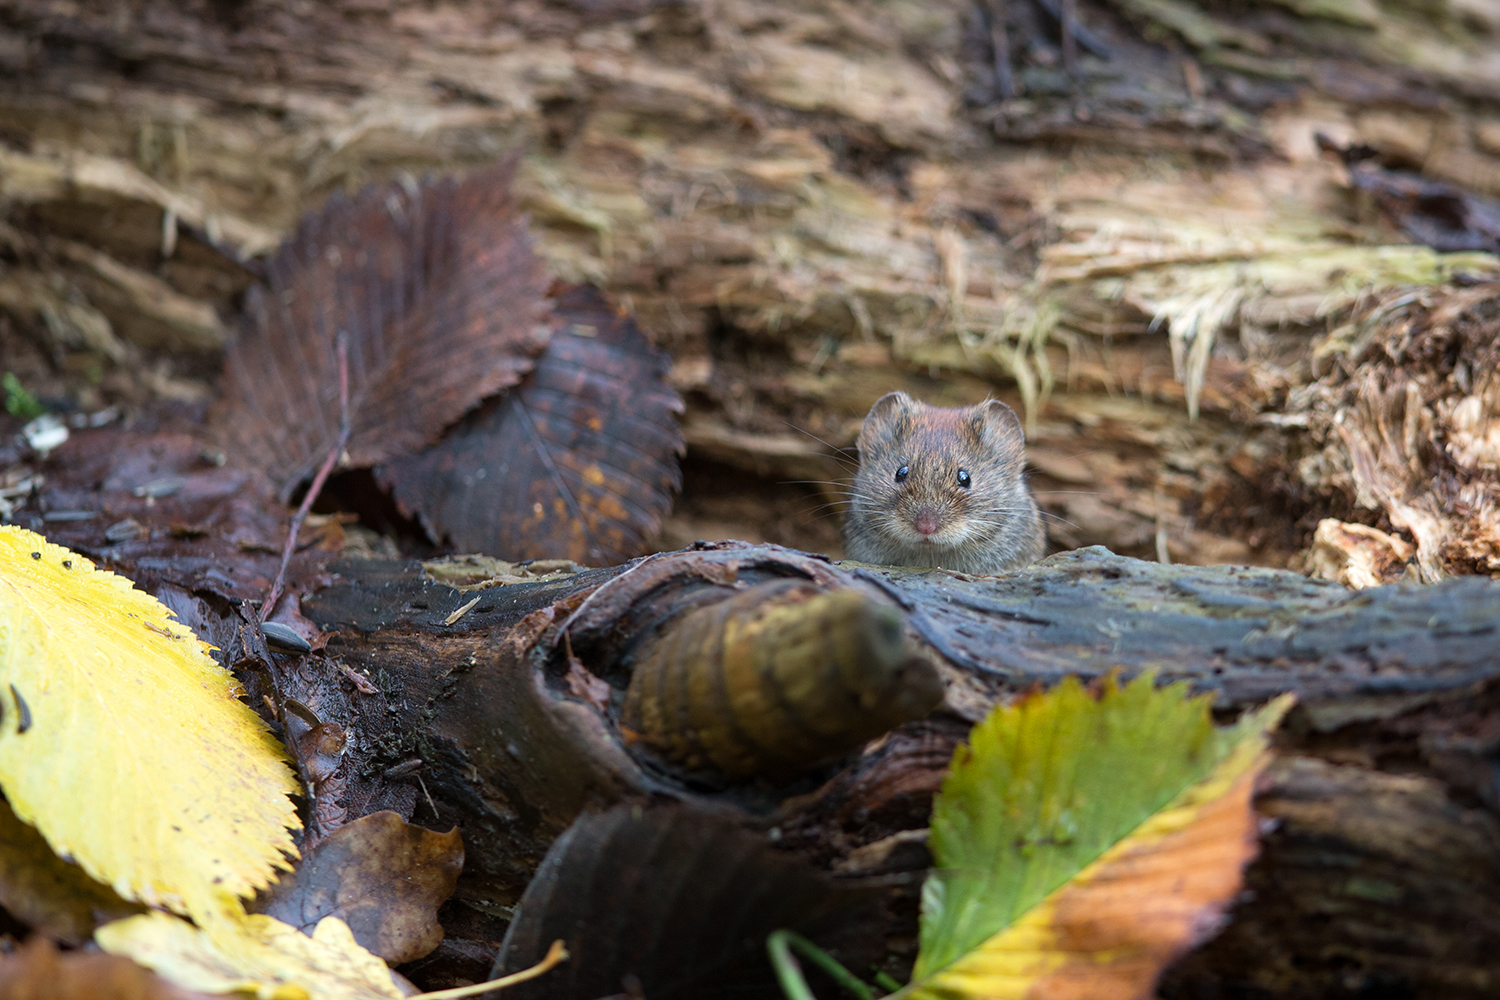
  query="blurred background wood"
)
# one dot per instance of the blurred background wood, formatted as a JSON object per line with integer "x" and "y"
{"x": 812, "y": 204}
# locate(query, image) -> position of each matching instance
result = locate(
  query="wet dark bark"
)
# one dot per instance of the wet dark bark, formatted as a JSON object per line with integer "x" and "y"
{"x": 1379, "y": 867}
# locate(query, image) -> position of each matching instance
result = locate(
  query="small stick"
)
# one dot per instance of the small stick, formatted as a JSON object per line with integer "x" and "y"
{"x": 556, "y": 955}
{"x": 1000, "y": 41}
{"x": 1069, "y": 28}
{"x": 361, "y": 682}
{"x": 568, "y": 621}
{"x": 274, "y": 595}
{"x": 453, "y": 618}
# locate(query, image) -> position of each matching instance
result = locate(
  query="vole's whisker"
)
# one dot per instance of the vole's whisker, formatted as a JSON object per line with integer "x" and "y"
{"x": 834, "y": 506}
{"x": 847, "y": 452}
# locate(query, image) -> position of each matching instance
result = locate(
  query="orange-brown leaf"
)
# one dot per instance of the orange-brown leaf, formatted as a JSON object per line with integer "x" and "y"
{"x": 579, "y": 462}
{"x": 1063, "y": 873}
{"x": 382, "y": 876}
{"x": 37, "y": 971}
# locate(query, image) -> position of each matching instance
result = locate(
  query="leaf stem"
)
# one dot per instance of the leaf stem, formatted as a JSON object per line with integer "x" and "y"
{"x": 268, "y": 606}
{"x": 556, "y": 955}
{"x": 789, "y": 971}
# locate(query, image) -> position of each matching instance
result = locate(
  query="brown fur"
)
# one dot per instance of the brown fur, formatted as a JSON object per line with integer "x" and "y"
{"x": 991, "y": 526}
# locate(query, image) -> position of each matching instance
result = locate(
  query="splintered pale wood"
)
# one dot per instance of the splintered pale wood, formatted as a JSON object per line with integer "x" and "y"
{"x": 579, "y": 462}
{"x": 1403, "y": 424}
{"x": 436, "y": 290}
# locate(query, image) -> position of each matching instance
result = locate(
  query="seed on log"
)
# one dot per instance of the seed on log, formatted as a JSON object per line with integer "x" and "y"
{"x": 775, "y": 680}
{"x": 285, "y": 637}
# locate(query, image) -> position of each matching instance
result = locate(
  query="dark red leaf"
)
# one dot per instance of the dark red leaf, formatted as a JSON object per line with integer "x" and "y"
{"x": 680, "y": 902}
{"x": 579, "y": 462}
{"x": 439, "y": 295}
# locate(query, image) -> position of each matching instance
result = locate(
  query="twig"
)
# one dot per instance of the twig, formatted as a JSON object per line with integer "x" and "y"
{"x": 606, "y": 585}
{"x": 1000, "y": 39}
{"x": 453, "y": 618}
{"x": 274, "y": 595}
{"x": 556, "y": 955}
{"x": 1069, "y": 31}
{"x": 1089, "y": 41}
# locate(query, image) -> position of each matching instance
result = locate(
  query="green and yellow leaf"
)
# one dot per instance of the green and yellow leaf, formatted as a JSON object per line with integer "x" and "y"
{"x": 1082, "y": 843}
{"x": 252, "y": 953}
{"x": 124, "y": 743}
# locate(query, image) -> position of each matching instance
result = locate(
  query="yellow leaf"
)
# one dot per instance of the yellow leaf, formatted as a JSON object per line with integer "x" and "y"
{"x": 252, "y": 953}
{"x": 46, "y": 893}
{"x": 123, "y": 742}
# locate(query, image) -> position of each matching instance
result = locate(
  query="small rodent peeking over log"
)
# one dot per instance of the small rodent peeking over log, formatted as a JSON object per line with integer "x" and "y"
{"x": 942, "y": 487}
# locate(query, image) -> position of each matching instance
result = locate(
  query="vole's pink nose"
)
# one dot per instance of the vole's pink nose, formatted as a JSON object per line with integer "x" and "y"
{"x": 926, "y": 520}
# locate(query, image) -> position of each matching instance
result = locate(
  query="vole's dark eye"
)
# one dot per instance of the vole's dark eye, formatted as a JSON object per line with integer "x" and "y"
{"x": 963, "y": 478}
{"x": 902, "y": 472}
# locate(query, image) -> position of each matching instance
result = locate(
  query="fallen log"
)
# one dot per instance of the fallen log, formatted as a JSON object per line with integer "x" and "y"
{"x": 1378, "y": 869}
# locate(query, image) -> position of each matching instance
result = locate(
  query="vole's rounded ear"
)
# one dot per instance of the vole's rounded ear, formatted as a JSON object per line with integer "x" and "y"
{"x": 887, "y": 419}
{"x": 889, "y": 405}
{"x": 1001, "y": 425}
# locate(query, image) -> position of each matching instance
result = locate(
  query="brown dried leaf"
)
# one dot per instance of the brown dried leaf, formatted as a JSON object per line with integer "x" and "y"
{"x": 440, "y": 296}
{"x": 577, "y": 463}
{"x": 383, "y": 877}
{"x": 52, "y": 897}
{"x": 37, "y": 971}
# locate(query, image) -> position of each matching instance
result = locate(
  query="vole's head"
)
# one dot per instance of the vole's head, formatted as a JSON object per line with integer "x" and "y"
{"x": 940, "y": 477}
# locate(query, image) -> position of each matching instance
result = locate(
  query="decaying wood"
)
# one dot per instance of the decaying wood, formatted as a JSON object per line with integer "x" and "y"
{"x": 811, "y": 205}
{"x": 1382, "y": 791}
